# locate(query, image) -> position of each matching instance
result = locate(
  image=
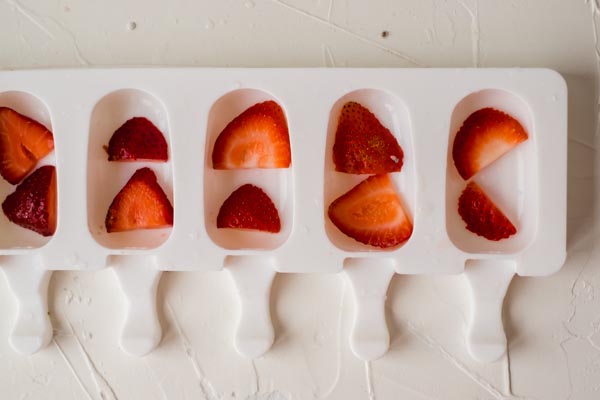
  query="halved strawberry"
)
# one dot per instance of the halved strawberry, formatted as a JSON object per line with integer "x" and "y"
{"x": 137, "y": 139}
{"x": 23, "y": 142}
{"x": 141, "y": 204}
{"x": 482, "y": 216}
{"x": 257, "y": 138}
{"x": 372, "y": 213}
{"x": 33, "y": 204}
{"x": 485, "y": 136}
{"x": 363, "y": 145}
{"x": 249, "y": 207}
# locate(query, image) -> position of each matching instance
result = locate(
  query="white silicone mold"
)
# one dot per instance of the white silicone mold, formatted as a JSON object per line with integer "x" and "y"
{"x": 422, "y": 107}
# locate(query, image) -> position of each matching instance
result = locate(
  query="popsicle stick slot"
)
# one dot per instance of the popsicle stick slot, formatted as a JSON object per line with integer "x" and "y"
{"x": 253, "y": 277}
{"x": 138, "y": 277}
{"x": 369, "y": 281}
{"x": 488, "y": 281}
{"x": 32, "y": 329}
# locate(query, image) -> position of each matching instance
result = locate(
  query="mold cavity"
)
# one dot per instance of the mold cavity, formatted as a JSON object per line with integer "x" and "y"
{"x": 393, "y": 114}
{"x": 510, "y": 181}
{"x": 219, "y": 184}
{"x": 13, "y": 236}
{"x": 105, "y": 179}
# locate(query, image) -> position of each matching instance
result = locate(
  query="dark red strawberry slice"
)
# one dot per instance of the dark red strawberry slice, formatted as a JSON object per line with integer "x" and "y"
{"x": 257, "y": 138}
{"x": 372, "y": 213}
{"x": 141, "y": 204}
{"x": 33, "y": 204}
{"x": 363, "y": 145}
{"x": 482, "y": 216}
{"x": 485, "y": 136}
{"x": 249, "y": 207}
{"x": 23, "y": 142}
{"x": 137, "y": 140}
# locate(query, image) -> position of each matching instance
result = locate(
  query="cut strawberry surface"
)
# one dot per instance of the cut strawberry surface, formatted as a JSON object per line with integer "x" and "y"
{"x": 372, "y": 213}
{"x": 33, "y": 204}
{"x": 23, "y": 142}
{"x": 257, "y": 138}
{"x": 141, "y": 204}
{"x": 482, "y": 216}
{"x": 137, "y": 139}
{"x": 249, "y": 207}
{"x": 363, "y": 145}
{"x": 485, "y": 136}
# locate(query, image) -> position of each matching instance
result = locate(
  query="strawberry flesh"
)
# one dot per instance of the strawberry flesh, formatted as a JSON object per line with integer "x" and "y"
{"x": 482, "y": 216}
{"x": 249, "y": 207}
{"x": 23, "y": 142}
{"x": 33, "y": 204}
{"x": 137, "y": 139}
{"x": 372, "y": 213}
{"x": 141, "y": 204}
{"x": 363, "y": 145}
{"x": 485, "y": 136}
{"x": 257, "y": 138}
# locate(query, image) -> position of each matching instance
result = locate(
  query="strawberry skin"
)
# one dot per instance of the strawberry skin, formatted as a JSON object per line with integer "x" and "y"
{"x": 141, "y": 204}
{"x": 363, "y": 145}
{"x": 249, "y": 207}
{"x": 372, "y": 213}
{"x": 33, "y": 204}
{"x": 482, "y": 216}
{"x": 257, "y": 138}
{"x": 137, "y": 139}
{"x": 23, "y": 142}
{"x": 485, "y": 136}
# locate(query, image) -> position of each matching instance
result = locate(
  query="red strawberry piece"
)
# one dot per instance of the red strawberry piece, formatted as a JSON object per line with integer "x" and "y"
{"x": 372, "y": 213}
{"x": 485, "y": 136}
{"x": 249, "y": 207}
{"x": 141, "y": 204}
{"x": 33, "y": 204}
{"x": 257, "y": 138}
{"x": 23, "y": 142}
{"x": 137, "y": 139}
{"x": 363, "y": 145}
{"x": 482, "y": 216}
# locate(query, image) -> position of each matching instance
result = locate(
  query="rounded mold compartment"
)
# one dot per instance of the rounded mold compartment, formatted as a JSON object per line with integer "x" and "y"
{"x": 510, "y": 182}
{"x": 106, "y": 178}
{"x": 219, "y": 184}
{"x": 393, "y": 113}
{"x": 13, "y": 236}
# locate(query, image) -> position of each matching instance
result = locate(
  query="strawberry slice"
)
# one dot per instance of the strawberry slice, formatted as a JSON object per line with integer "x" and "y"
{"x": 482, "y": 216}
{"x": 485, "y": 136}
{"x": 249, "y": 207}
{"x": 33, "y": 204}
{"x": 257, "y": 138}
{"x": 364, "y": 146}
{"x": 372, "y": 213}
{"x": 141, "y": 204}
{"x": 23, "y": 142}
{"x": 137, "y": 139}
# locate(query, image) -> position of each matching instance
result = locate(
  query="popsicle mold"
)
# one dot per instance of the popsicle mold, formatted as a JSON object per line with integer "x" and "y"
{"x": 392, "y": 112}
{"x": 13, "y": 236}
{"x": 277, "y": 183}
{"x": 105, "y": 179}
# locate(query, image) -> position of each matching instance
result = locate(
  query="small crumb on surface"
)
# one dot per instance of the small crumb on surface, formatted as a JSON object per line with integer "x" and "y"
{"x": 385, "y": 34}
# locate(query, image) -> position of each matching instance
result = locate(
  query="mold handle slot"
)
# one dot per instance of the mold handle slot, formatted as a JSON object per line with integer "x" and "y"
{"x": 253, "y": 277}
{"x": 32, "y": 329}
{"x": 369, "y": 280}
{"x": 488, "y": 281}
{"x": 138, "y": 278}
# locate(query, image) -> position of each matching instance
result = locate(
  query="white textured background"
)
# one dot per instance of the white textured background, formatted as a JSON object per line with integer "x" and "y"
{"x": 553, "y": 323}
